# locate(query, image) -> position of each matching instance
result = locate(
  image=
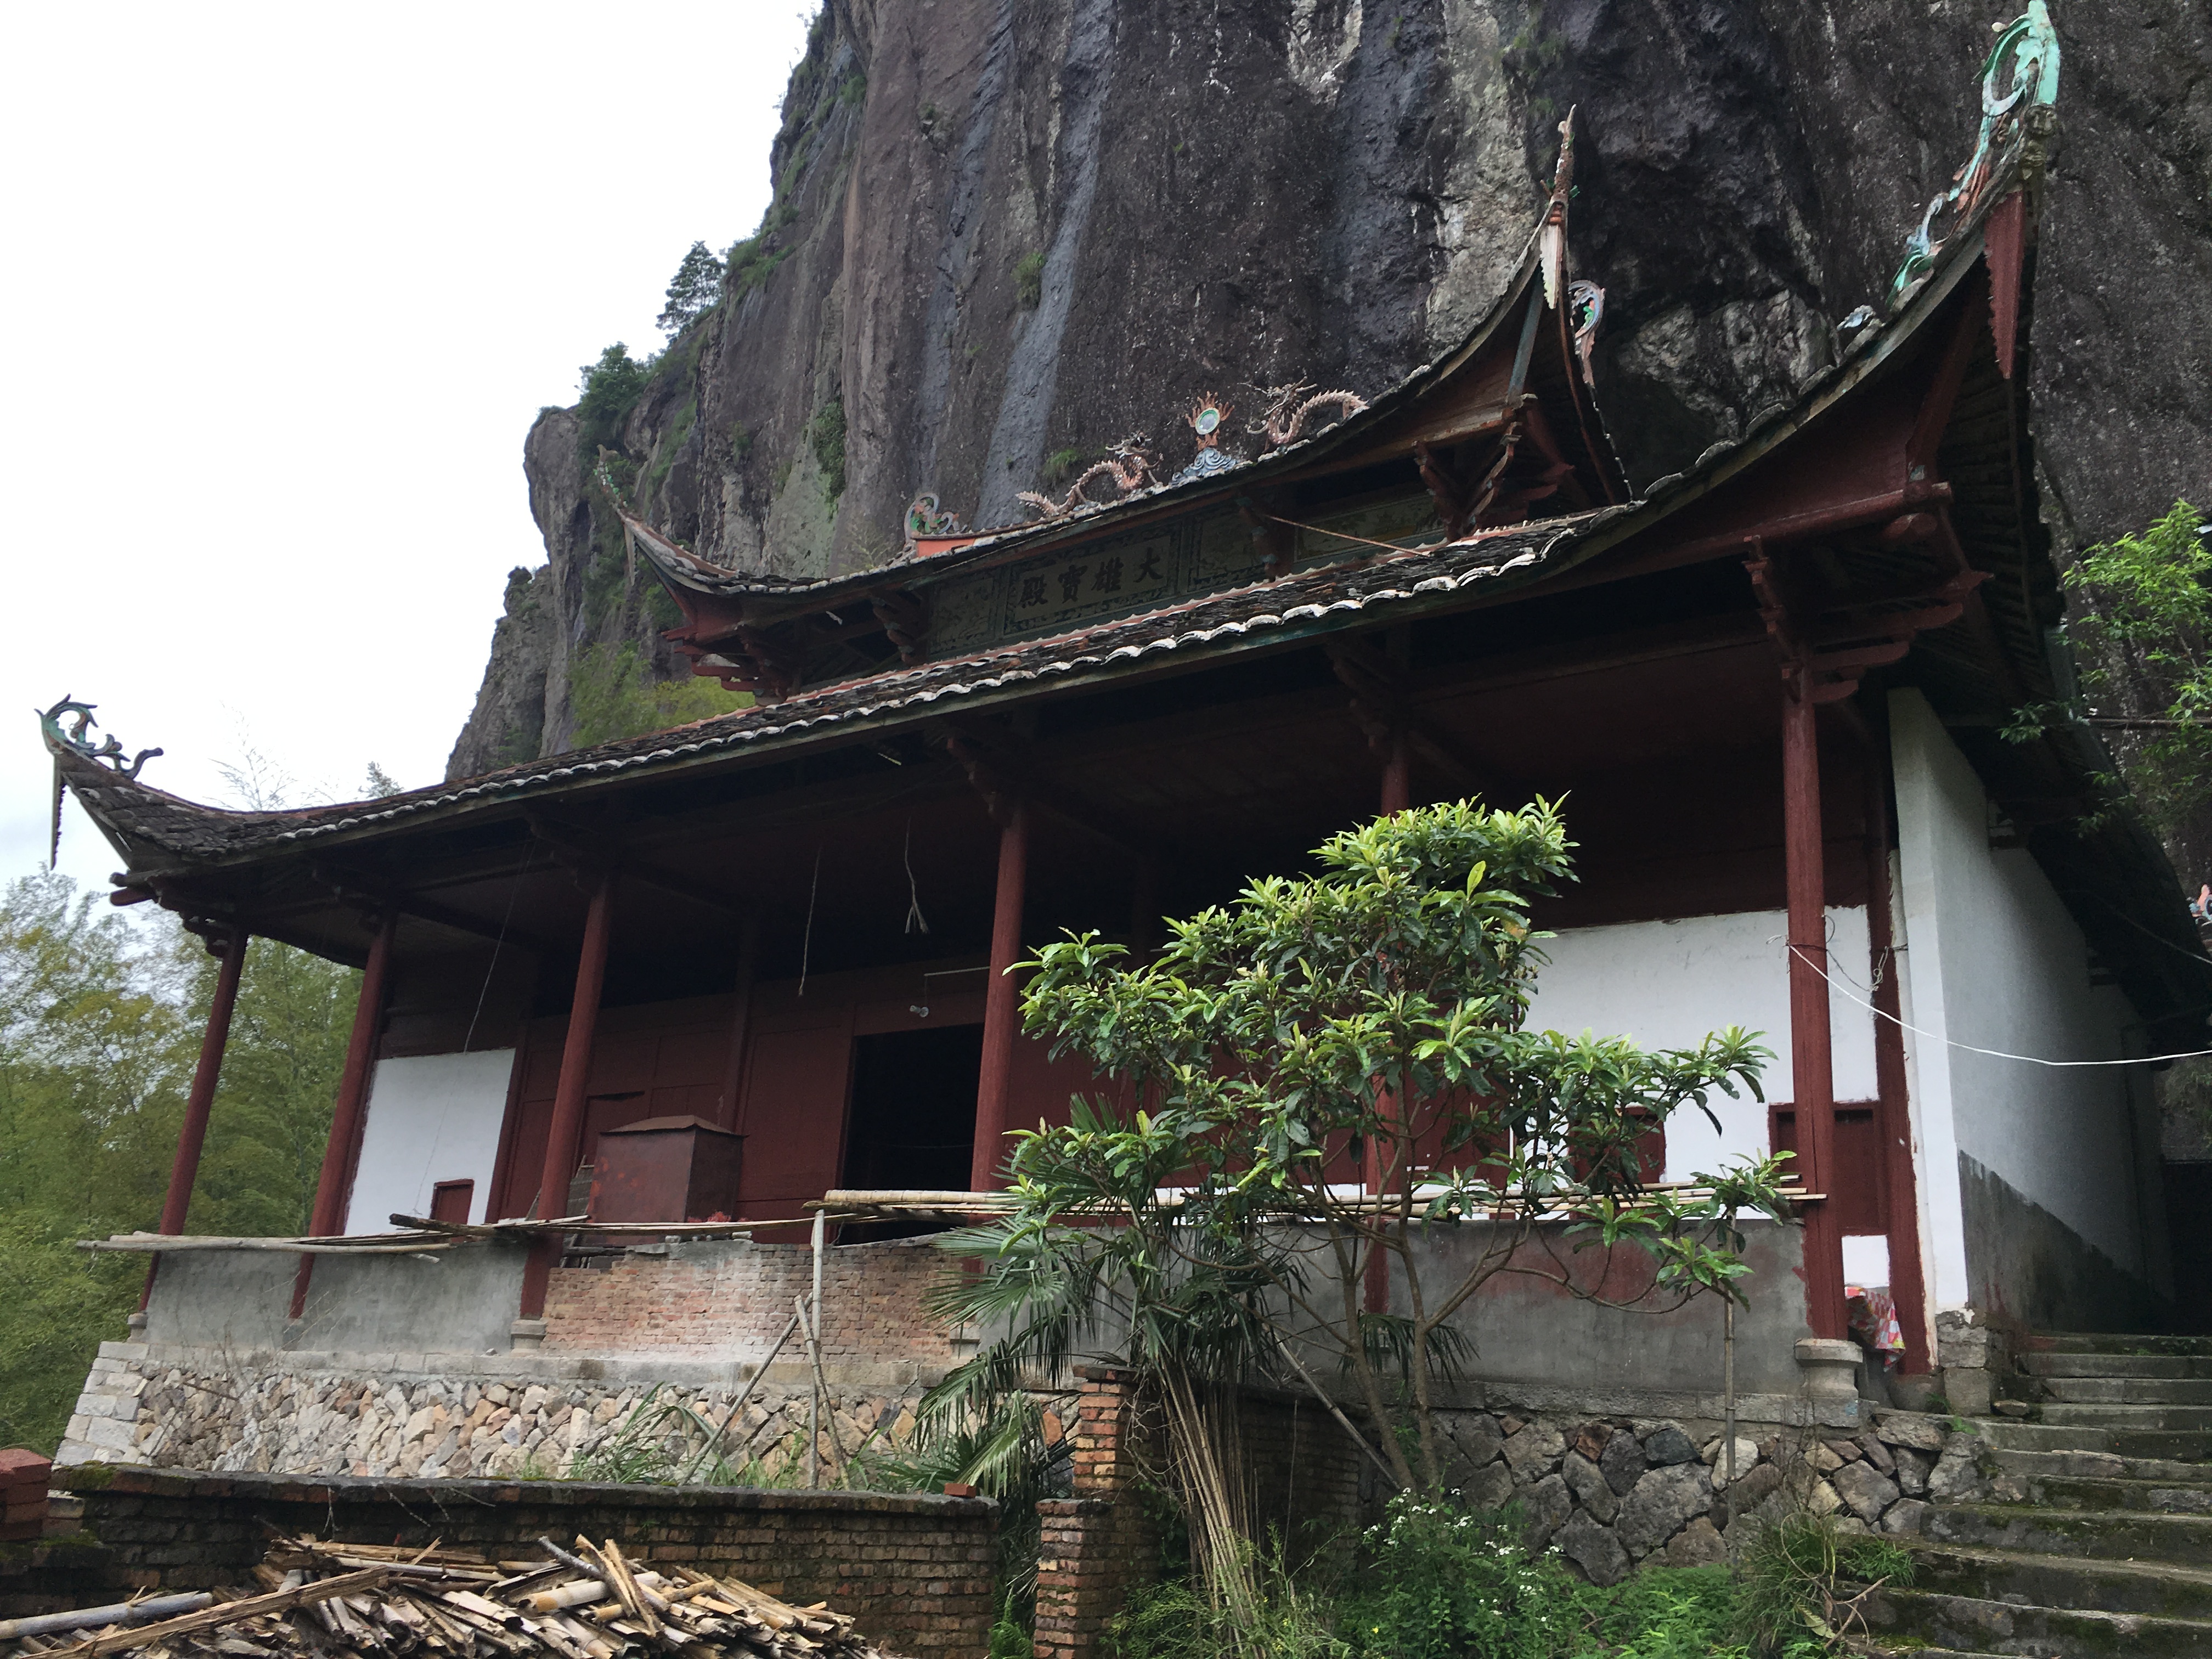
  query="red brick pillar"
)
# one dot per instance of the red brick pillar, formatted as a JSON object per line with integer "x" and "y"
{"x": 1098, "y": 1543}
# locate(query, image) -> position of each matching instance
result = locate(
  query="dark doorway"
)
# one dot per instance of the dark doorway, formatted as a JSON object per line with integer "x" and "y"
{"x": 912, "y": 1119}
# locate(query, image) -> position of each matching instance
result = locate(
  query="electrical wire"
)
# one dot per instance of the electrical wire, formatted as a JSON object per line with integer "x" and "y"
{"x": 1993, "y": 1054}
{"x": 807, "y": 943}
{"x": 513, "y": 887}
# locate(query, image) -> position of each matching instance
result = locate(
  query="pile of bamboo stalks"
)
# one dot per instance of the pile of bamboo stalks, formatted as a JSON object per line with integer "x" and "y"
{"x": 319, "y": 1600}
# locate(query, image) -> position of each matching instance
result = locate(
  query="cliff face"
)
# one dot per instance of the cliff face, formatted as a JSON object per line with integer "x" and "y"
{"x": 1007, "y": 233}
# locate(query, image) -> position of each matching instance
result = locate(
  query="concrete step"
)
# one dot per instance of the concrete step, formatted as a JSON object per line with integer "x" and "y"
{"x": 2100, "y": 1342}
{"x": 2128, "y": 1390}
{"x": 2112, "y": 1535}
{"x": 2128, "y": 1418}
{"x": 2113, "y": 1364}
{"x": 2080, "y": 1493}
{"x": 2028, "y": 1578}
{"x": 2183, "y": 1445}
{"x": 2100, "y": 1466}
{"x": 1961, "y": 1625}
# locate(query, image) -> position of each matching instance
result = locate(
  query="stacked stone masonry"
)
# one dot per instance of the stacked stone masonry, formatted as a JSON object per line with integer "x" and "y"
{"x": 520, "y": 1417}
{"x": 915, "y": 1571}
{"x": 1614, "y": 1494}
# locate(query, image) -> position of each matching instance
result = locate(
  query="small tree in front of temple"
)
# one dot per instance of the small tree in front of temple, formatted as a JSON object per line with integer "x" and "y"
{"x": 1331, "y": 1072}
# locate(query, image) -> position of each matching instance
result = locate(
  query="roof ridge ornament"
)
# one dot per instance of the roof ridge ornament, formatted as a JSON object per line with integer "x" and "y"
{"x": 926, "y": 517}
{"x": 68, "y": 725}
{"x": 1554, "y": 236}
{"x": 1586, "y": 309}
{"x": 1283, "y": 423}
{"x": 2019, "y": 84}
{"x": 1127, "y": 465}
{"x": 1207, "y": 419}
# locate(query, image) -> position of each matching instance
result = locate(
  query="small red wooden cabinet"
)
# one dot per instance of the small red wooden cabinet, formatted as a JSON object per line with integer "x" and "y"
{"x": 666, "y": 1169}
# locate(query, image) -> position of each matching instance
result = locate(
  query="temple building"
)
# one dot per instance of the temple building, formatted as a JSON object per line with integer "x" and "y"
{"x": 711, "y": 974}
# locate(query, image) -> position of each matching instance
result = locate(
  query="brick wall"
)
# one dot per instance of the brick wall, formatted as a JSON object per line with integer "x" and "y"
{"x": 915, "y": 1571}
{"x": 1099, "y": 1542}
{"x": 1303, "y": 1480}
{"x": 735, "y": 1298}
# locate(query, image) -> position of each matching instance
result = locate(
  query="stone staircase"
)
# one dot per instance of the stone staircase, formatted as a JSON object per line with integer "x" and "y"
{"x": 2089, "y": 1532}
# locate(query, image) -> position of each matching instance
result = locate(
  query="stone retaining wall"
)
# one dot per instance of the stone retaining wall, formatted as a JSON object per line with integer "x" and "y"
{"x": 1615, "y": 1493}
{"x": 915, "y": 1571}
{"x": 500, "y": 1416}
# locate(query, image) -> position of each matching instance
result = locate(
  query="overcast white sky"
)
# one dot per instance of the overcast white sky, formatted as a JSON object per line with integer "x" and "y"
{"x": 284, "y": 287}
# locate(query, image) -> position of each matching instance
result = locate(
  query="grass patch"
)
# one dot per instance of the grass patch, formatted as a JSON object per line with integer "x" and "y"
{"x": 613, "y": 694}
{"x": 826, "y": 434}
{"x": 1028, "y": 279}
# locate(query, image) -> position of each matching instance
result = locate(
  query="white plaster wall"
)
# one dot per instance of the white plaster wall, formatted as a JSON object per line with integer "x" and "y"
{"x": 1994, "y": 961}
{"x": 1667, "y": 983}
{"x": 431, "y": 1118}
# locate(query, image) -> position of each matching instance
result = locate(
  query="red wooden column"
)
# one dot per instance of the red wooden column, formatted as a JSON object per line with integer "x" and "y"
{"x": 741, "y": 1019}
{"x": 334, "y": 1186}
{"x": 1892, "y": 1115}
{"x": 564, "y": 1140}
{"x": 1001, "y": 1000}
{"x": 186, "y": 1170}
{"x": 1812, "y": 1067}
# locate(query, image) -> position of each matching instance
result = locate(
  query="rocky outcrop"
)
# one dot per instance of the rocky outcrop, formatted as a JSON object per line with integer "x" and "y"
{"x": 507, "y": 724}
{"x": 1007, "y": 233}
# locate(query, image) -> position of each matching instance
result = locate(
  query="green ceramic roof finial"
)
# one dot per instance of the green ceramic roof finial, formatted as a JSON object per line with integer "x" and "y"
{"x": 2021, "y": 74}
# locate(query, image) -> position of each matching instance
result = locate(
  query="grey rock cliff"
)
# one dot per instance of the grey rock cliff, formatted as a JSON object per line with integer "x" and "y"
{"x": 1234, "y": 196}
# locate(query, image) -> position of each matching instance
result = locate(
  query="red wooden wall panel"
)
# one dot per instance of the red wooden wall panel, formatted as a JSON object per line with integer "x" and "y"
{"x": 792, "y": 1115}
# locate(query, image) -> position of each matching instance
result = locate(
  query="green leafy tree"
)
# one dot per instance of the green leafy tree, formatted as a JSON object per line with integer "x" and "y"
{"x": 94, "y": 1059}
{"x": 1328, "y": 1069}
{"x": 271, "y": 1115}
{"x": 2146, "y": 627}
{"x": 692, "y": 292}
{"x": 612, "y": 389}
{"x": 100, "y": 1021}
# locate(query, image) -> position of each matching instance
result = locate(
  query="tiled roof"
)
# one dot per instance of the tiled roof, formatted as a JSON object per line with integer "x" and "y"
{"x": 1309, "y": 600}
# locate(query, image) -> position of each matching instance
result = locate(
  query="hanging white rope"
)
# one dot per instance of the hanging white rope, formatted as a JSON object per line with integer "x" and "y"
{"x": 913, "y": 917}
{"x": 1993, "y": 1054}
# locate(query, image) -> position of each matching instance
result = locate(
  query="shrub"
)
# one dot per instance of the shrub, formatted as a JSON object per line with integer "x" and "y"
{"x": 1448, "y": 1583}
{"x": 826, "y": 433}
{"x": 612, "y": 389}
{"x": 1797, "y": 1574}
{"x": 1174, "y": 1620}
{"x": 1028, "y": 279}
{"x": 613, "y": 694}
{"x": 1662, "y": 1613}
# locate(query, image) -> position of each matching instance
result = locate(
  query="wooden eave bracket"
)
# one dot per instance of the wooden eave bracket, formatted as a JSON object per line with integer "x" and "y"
{"x": 904, "y": 618}
{"x": 1826, "y": 663}
{"x": 1382, "y": 698}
